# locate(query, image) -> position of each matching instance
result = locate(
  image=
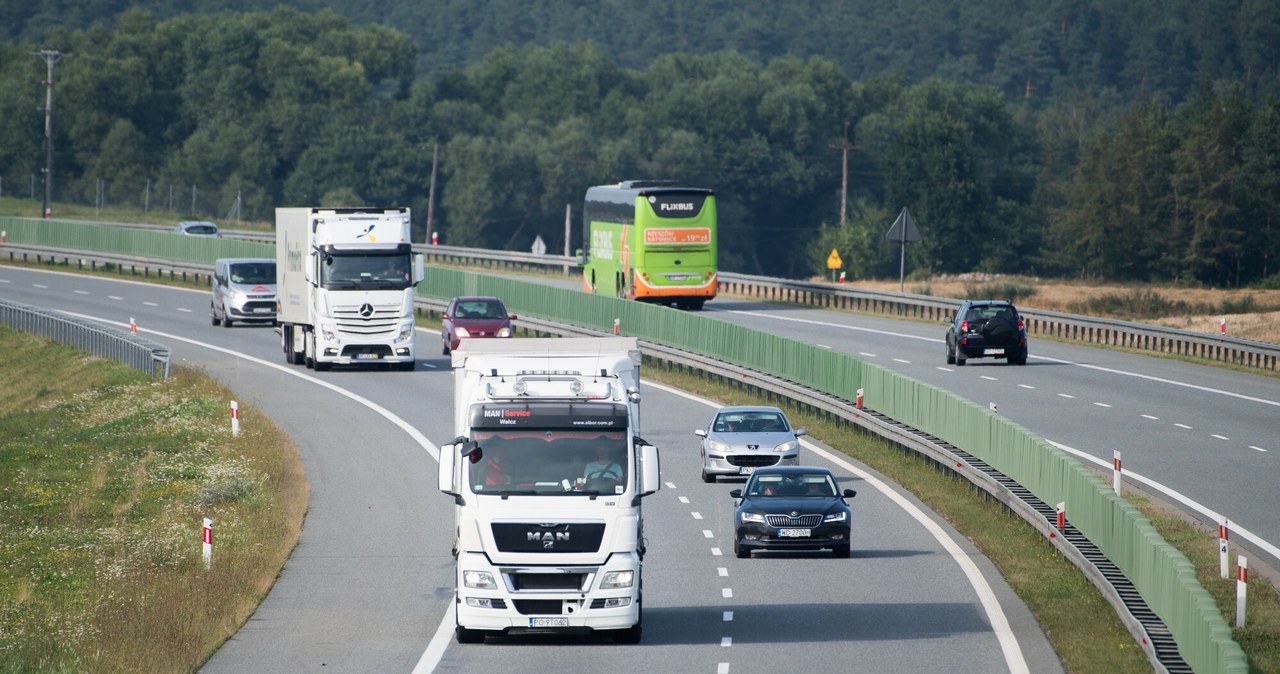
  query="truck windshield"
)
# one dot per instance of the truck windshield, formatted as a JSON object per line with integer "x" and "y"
{"x": 550, "y": 462}
{"x": 365, "y": 271}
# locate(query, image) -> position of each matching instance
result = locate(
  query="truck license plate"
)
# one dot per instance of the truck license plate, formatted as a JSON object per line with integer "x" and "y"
{"x": 548, "y": 622}
{"x": 993, "y": 352}
{"x": 793, "y": 533}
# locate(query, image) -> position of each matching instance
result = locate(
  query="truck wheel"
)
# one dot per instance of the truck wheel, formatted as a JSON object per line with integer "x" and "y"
{"x": 286, "y": 344}
{"x": 630, "y": 635}
{"x": 468, "y": 636}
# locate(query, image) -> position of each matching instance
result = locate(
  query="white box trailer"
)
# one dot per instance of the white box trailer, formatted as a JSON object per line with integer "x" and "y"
{"x": 345, "y": 281}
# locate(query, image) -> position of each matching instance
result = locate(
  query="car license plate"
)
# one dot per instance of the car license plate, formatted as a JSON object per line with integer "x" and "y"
{"x": 548, "y": 622}
{"x": 366, "y": 356}
{"x": 993, "y": 352}
{"x": 745, "y": 470}
{"x": 794, "y": 533}
{"x": 264, "y": 310}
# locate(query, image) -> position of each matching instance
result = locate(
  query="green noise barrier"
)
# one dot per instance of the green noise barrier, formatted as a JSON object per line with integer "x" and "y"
{"x": 1162, "y": 574}
{"x": 1165, "y": 578}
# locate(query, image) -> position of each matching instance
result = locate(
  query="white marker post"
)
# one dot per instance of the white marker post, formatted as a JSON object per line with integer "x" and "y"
{"x": 992, "y": 406}
{"x": 859, "y": 400}
{"x": 235, "y": 418}
{"x": 1224, "y": 532}
{"x": 1116, "y": 470}
{"x": 1062, "y": 515}
{"x": 133, "y": 326}
{"x": 617, "y": 326}
{"x": 206, "y": 535}
{"x": 1242, "y": 584}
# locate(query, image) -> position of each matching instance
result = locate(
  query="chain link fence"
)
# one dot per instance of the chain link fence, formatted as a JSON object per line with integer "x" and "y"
{"x": 180, "y": 200}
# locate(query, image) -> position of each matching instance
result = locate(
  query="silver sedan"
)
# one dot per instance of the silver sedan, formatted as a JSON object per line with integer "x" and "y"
{"x": 740, "y": 439}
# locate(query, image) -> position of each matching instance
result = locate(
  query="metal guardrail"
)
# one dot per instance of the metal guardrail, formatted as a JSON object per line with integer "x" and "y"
{"x": 130, "y": 349}
{"x": 97, "y": 261}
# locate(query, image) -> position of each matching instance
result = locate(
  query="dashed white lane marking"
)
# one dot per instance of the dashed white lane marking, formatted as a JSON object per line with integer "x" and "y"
{"x": 1220, "y": 437}
{"x": 715, "y": 552}
{"x": 82, "y": 292}
{"x": 728, "y": 616}
{"x": 151, "y": 304}
{"x": 899, "y": 360}
{"x": 1148, "y": 416}
{"x": 114, "y": 297}
{"x": 42, "y": 287}
{"x": 726, "y": 592}
{"x": 989, "y": 378}
{"x": 868, "y": 355}
{"x": 1257, "y": 448}
{"x": 722, "y": 571}
{"x": 1026, "y": 386}
{"x": 696, "y": 515}
{"x": 670, "y": 485}
{"x": 684, "y": 500}
{"x": 184, "y": 310}
{"x": 722, "y": 668}
{"x": 1183, "y": 426}
{"x": 5, "y": 280}
{"x": 1102, "y": 405}
{"x": 726, "y": 642}
{"x": 1067, "y": 396}
{"x": 706, "y": 533}
{"x": 944, "y": 369}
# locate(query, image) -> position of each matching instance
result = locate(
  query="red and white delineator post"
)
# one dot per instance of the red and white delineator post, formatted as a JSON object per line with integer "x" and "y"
{"x": 1116, "y": 470}
{"x": 617, "y": 326}
{"x": 235, "y": 418}
{"x": 1062, "y": 515}
{"x": 1242, "y": 585}
{"x": 1224, "y": 533}
{"x": 206, "y": 535}
{"x": 133, "y": 326}
{"x": 859, "y": 400}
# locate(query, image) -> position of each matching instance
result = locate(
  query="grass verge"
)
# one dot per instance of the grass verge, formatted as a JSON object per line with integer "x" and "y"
{"x": 105, "y": 477}
{"x": 1080, "y": 624}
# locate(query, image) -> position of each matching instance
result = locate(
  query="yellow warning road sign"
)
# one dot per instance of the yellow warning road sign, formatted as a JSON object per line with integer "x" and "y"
{"x": 833, "y": 260}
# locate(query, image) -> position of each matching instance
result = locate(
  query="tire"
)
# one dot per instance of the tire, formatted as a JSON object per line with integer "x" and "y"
{"x": 741, "y": 552}
{"x": 286, "y": 344}
{"x": 951, "y": 356}
{"x": 959, "y": 359}
{"x": 213, "y": 316}
{"x": 226, "y": 322}
{"x": 630, "y": 635}
{"x": 406, "y": 367}
{"x": 709, "y": 478}
{"x": 841, "y": 551}
{"x": 468, "y": 636}
{"x": 1020, "y": 359}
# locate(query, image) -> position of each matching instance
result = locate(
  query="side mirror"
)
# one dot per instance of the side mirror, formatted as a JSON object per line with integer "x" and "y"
{"x": 700, "y": 433}
{"x": 736, "y": 493}
{"x": 650, "y": 470}
{"x": 447, "y": 468}
{"x": 511, "y": 317}
{"x": 849, "y": 493}
{"x": 419, "y": 269}
{"x": 800, "y": 431}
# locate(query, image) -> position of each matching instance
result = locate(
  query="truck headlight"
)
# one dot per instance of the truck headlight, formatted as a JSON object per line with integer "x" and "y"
{"x": 327, "y": 331}
{"x": 480, "y": 580}
{"x": 406, "y": 331}
{"x": 613, "y": 580}
{"x": 753, "y": 517}
{"x": 788, "y": 446}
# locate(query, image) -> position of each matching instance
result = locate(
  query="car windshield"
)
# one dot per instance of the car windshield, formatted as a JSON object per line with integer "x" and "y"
{"x": 750, "y": 422}
{"x": 818, "y": 485}
{"x": 248, "y": 273}
{"x": 480, "y": 309}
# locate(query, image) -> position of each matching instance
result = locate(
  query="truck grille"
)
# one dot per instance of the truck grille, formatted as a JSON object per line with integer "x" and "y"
{"x": 539, "y": 606}
{"x": 358, "y": 322}
{"x": 534, "y": 582}
{"x": 806, "y": 521}
{"x": 548, "y": 537}
{"x": 751, "y": 460}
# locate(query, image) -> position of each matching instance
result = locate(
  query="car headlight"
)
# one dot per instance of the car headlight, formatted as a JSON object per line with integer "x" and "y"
{"x": 613, "y": 580}
{"x": 753, "y": 517}
{"x": 787, "y": 446}
{"x": 504, "y": 332}
{"x": 459, "y": 331}
{"x": 836, "y": 517}
{"x": 480, "y": 580}
{"x": 238, "y": 297}
{"x": 717, "y": 446}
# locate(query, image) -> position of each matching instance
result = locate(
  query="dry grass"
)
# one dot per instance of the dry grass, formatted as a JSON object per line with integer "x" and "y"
{"x": 1260, "y": 322}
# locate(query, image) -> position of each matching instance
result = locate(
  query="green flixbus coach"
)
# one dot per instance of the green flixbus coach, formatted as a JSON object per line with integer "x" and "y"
{"x": 650, "y": 240}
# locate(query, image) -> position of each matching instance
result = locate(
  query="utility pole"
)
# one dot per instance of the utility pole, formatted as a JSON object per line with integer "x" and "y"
{"x": 431, "y": 191}
{"x": 844, "y": 170}
{"x": 50, "y": 57}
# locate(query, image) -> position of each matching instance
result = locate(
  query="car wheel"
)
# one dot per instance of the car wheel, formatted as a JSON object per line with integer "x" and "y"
{"x": 407, "y": 367}
{"x": 951, "y": 356}
{"x": 468, "y": 636}
{"x": 213, "y": 316}
{"x": 1020, "y": 359}
{"x": 444, "y": 346}
{"x": 226, "y": 321}
{"x": 740, "y": 551}
{"x": 841, "y": 551}
{"x": 709, "y": 478}
{"x": 959, "y": 359}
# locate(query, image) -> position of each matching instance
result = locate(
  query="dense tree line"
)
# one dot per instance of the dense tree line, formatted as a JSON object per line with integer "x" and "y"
{"x": 295, "y": 108}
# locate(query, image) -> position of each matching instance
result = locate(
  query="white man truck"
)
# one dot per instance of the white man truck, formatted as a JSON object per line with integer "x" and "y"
{"x": 344, "y": 284}
{"x": 547, "y": 473}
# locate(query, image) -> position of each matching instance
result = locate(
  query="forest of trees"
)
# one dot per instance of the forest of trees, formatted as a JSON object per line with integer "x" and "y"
{"x": 1093, "y": 142}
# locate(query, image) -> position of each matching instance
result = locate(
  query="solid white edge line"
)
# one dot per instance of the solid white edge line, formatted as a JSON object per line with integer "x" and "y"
{"x": 1009, "y": 646}
{"x": 1177, "y": 496}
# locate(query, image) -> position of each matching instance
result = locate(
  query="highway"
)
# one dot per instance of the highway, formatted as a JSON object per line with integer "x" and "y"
{"x": 369, "y": 587}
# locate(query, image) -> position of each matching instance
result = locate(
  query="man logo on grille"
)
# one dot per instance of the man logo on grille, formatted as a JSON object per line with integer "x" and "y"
{"x": 366, "y": 310}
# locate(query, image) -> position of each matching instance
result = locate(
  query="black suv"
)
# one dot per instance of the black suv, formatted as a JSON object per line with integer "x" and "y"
{"x": 986, "y": 329}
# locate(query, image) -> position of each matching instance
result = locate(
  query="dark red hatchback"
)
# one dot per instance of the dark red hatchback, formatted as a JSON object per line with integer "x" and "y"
{"x": 472, "y": 317}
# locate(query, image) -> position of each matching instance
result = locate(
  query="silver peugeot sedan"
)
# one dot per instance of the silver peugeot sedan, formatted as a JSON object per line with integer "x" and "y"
{"x": 742, "y": 438}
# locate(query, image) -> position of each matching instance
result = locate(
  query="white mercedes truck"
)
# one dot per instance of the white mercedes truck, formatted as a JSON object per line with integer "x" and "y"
{"x": 345, "y": 281}
{"x": 547, "y": 472}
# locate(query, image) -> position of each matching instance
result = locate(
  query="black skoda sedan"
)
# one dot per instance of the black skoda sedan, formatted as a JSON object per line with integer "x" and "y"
{"x": 792, "y": 508}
